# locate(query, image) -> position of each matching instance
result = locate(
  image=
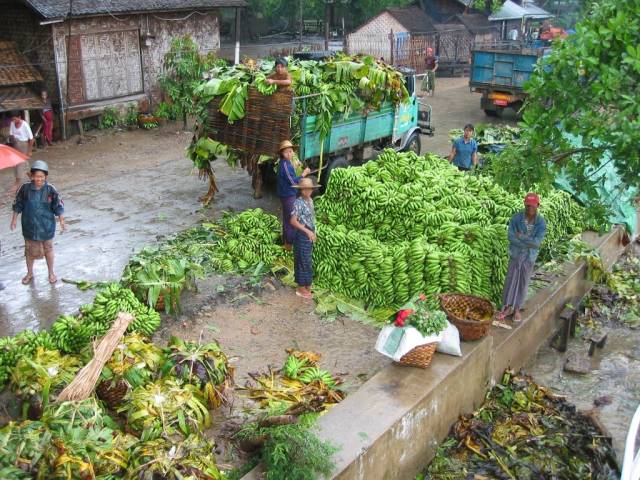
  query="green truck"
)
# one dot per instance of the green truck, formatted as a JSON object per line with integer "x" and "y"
{"x": 351, "y": 141}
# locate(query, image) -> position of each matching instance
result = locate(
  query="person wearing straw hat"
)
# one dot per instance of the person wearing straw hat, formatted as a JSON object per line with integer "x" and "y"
{"x": 39, "y": 203}
{"x": 303, "y": 220}
{"x": 526, "y": 232}
{"x": 287, "y": 179}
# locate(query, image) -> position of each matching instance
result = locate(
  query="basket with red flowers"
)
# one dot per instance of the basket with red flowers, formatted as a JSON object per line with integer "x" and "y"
{"x": 428, "y": 322}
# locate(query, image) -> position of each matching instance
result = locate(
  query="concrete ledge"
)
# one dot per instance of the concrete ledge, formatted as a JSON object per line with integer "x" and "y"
{"x": 389, "y": 429}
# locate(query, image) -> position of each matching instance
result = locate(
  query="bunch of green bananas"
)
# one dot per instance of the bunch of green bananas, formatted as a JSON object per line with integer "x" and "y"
{"x": 72, "y": 333}
{"x": 12, "y": 349}
{"x": 405, "y": 224}
{"x": 250, "y": 238}
{"x": 262, "y": 86}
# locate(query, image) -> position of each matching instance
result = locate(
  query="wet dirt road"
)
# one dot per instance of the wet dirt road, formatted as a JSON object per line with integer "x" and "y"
{"x": 121, "y": 190}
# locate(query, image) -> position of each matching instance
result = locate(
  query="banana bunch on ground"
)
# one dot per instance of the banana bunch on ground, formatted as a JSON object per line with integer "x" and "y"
{"x": 73, "y": 333}
{"x": 25, "y": 344}
{"x": 405, "y": 224}
{"x": 250, "y": 238}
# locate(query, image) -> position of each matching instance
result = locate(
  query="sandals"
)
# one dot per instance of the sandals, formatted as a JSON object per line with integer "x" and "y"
{"x": 504, "y": 314}
{"x": 308, "y": 296}
{"x": 26, "y": 280}
{"x": 52, "y": 278}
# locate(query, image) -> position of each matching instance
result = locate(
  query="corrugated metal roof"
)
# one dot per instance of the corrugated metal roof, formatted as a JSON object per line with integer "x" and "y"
{"x": 54, "y": 9}
{"x": 412, "y": 18}
{"x": 15, "y": 69}
{"x": 512, "y": 11}
{"x": 19, "y": 98}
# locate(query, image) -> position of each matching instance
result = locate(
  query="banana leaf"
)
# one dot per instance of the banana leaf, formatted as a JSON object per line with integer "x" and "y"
{"x": 233, "y": 105}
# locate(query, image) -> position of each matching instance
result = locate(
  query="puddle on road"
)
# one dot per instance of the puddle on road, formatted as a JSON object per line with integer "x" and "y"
{"x": 614, "y": 381}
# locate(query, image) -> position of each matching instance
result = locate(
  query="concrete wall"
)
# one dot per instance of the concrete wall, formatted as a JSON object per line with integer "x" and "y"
{"x": 390, "y": 428}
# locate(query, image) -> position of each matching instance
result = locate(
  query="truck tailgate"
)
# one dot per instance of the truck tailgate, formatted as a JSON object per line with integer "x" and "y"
{"x": 508, "y": 69}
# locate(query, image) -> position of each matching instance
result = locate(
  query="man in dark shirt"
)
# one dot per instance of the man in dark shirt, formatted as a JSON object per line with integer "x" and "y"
{"x": 431, "y": 65}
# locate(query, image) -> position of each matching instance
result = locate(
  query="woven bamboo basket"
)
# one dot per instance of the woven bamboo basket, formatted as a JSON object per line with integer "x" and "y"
{"x": 420, "y": 356}
{"x": 470, "y": 314}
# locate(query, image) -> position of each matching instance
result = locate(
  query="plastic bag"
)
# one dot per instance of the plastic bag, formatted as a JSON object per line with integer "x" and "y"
{"x": 450, "y": 343}
{"x": 396, "y": 342}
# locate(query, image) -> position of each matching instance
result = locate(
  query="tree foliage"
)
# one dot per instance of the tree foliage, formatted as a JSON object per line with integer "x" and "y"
{"x": 583, "y": 106}
{"x": 184, "y": 66}
{"x": 355, "y": 12}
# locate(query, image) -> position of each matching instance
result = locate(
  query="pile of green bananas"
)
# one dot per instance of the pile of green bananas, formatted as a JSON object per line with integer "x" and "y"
{"x": 405, "y": 224}
{"x": 247, "y": 239}
{"x": 72, "y": 333}
{"x": 12, "y": 349}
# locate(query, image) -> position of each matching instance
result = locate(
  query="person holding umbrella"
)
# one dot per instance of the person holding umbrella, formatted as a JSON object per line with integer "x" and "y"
{"x": 11, "y": 158}
{"x": 39, "y": 203}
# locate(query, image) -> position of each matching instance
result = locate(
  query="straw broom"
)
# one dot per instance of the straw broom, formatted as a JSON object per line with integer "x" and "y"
{"x": 82, "y": 386}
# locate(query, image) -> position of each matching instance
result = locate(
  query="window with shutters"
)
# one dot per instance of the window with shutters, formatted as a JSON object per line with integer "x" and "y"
{"x": 108, "y": 66}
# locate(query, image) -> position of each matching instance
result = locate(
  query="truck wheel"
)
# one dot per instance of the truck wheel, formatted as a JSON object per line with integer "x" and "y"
{"x": 414, "y": 144}
{"x": 492, "y": 113}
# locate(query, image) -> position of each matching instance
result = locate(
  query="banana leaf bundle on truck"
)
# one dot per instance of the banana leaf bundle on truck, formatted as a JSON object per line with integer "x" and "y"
{"x": 334, "y": 109}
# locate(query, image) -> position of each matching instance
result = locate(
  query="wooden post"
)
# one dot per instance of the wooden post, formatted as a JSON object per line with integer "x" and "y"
{"x": 237, "y": 53}
{"x": 301, "y": 25}
{"x": 391, "y": 45}
{"x": 327, "y": 21}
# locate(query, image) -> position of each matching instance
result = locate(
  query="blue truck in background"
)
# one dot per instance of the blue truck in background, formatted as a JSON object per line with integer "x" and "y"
{"x": 499, "y": 71}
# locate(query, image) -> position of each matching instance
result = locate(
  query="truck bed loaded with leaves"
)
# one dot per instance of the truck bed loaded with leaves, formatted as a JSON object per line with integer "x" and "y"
{"x": 334, "y": 89}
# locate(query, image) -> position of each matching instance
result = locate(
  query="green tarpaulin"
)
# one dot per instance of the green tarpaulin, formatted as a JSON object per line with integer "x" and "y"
{"x": 618, "y": 197}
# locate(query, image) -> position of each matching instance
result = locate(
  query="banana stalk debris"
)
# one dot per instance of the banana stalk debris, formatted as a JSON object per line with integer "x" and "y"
{"x": 299, "y": 387}
{"x": 524, "y": 431}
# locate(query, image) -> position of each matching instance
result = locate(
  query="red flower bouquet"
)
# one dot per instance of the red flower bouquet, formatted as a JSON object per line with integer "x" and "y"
{"x": 419, "y": 315}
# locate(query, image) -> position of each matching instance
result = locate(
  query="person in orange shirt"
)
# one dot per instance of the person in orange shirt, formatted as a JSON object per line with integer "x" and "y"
{"x": 281, "y": 77}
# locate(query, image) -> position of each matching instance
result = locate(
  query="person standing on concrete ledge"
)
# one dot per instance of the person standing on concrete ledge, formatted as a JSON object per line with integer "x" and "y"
{"x": 526, "y": 231}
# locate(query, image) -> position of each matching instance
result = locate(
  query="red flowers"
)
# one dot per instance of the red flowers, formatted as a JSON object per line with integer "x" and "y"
{"x": 402, "y": 316}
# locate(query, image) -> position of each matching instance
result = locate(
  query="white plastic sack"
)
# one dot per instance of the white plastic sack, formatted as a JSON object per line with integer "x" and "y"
{"x": 450, "y": 343}
{"x": 410, "y": 339}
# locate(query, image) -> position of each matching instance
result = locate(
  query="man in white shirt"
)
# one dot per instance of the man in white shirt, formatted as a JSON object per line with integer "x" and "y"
{"x": 22, "y": 140}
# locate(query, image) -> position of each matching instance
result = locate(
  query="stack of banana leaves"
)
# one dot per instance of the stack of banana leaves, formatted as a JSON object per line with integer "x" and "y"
{"x": 238, "y": 242}
{"x": 299, "y": 387}
{"x": 524, "y": 431}
{"x": 78, "y": 440}
{"x": 164, "y": 403}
